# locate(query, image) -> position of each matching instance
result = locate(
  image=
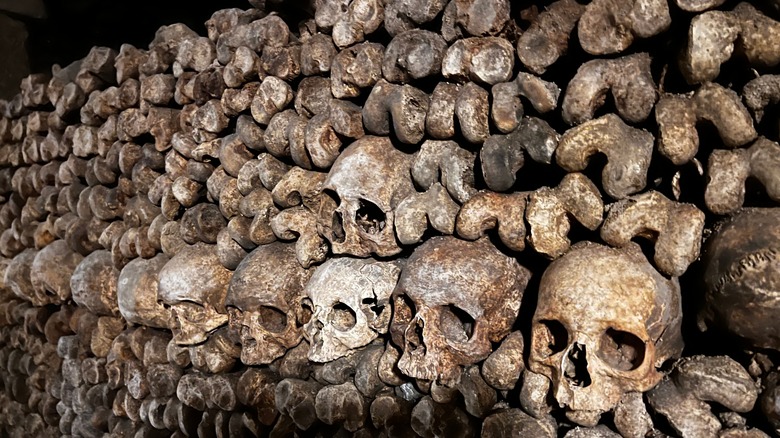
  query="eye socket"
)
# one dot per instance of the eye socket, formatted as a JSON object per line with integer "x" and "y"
{"x": 370, "y": 218}
{"x": 550, "y": 337}
{"x": 342, "y": 317}
{"x": 621, "y": 350}
{"x": 456, "y": 325}
{"x": 403, "y": 310}
{"x": 271, "y": 319}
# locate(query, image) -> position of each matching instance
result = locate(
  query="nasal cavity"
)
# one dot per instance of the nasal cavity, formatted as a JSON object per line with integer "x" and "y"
{"x": 337, "y": 228}
{"x": 575, "y": 367}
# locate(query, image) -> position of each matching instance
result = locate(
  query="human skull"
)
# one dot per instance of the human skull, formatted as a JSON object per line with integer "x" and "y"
{"x": 17, "y": 274}
{"x": 51, "y": 271}
{"x": 93, "y": 284}
{"x": 742, "y": 278}
{"x": 605, "y": 321}
{"x": 137, "y": 292}
{"x": 350, "y": 301}
{"x": 452, "y": 300}
{"x": 194, "y": 284}
{"x": 365, "y": 185}
{"x": 264, "y": 302}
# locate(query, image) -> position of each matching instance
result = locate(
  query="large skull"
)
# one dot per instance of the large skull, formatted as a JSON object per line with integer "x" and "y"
{"x": 605, "y": 321}
{"x": 453, "y": 299}
{"x": 51, "y": 271}
{"x": 264, "y": 301}
{"x": 194, "y": 284}
{"x": 366, "y": 183}
{"x": 350, "y": 300}
{"x": 93, "y": 284}
{"x": 742, "y": 278}
{"x": 137, "y": 292}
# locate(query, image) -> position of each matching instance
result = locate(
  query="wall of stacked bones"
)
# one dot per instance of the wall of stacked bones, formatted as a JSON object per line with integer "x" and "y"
{"x": 400, "y": 217}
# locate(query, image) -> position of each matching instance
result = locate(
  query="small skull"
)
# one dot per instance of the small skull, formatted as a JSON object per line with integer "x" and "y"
{"x": 264, "y": 302}
{"x": 350, "y": 302}
{"x": 194, "y": 284}
{"x": 452, "y": 300}
{"x": 364, "y": 186}
{"x": 137, "y": 292}
{"x": 606, "y": 321}
{"x": 51, "y": 271}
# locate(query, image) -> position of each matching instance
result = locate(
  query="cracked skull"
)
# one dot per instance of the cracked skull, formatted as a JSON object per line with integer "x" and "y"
{"x": 452, "y": 300}
{"x": 264, "y": 302}
{"x": 364, "y": 186}
{"x": 194, "y": 284}
{"x": 605, "y": 322}
{"x": 350, "y": 301}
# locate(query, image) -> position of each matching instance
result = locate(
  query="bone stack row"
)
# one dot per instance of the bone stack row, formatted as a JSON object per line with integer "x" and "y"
{"x": 222, "y": 235}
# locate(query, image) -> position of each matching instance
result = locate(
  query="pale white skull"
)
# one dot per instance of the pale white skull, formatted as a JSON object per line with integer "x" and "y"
{"x": 194, "y": 284}
{"x": 350, "y": 301}
{"x": 93, "y": 284}
{"x": 264, "y": 302}
{"x": 605, "y": 321}
{"x": 51, "y": 271}
{"x": 137, "y": 292}
{"x": 363, "y": 188}
{"x": 453, "y": 299}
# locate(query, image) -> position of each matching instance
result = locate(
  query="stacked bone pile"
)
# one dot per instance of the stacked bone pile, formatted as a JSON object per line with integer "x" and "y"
{"x": 394, "y": 218}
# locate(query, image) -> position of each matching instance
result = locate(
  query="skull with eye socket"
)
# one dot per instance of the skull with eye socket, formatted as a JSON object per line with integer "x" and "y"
{"x": 363, "y": 188}
{"x": 193, "y": 284}
{"x": 350, "y": 302}
{"x": 453, "y": 299}
{"x": 605, "y": 322}
{"x": 264, "y": 302}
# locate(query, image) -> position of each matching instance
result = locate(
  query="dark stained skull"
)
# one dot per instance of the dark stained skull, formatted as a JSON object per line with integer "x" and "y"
{"x": 454, "y": 298}
{"x": 264, "y": 302}
{"x": 193, "y": 283}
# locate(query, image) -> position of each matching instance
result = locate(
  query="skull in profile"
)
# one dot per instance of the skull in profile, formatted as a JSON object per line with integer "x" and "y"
{"x": 264, "y": 302}
{"x": 193, "y": 283}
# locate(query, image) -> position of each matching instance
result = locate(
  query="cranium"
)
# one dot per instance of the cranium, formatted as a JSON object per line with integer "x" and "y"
{"x": 350, "y": 301}
{"x": 51, "y": 271}
{"x": 605, "y": 321}
{"x": 194, "y": 284}
{"x": 741, "y": 277}
{"x": 137, "y": 292}
{"x": 365, "y": 185}
{"x": 17, "y": 274}
{"x": 452, "y": 300}
{"x": 264, "y": 302}
{"x": 93, "y": 284}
